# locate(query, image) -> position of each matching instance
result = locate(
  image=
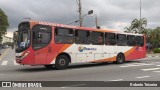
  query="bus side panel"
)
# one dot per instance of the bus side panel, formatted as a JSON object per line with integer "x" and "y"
{"x": 137, "y": 53}
{"x": 109, "y": 52}
{"x": 29, "y": 59}
{"x": 71, "y": 50}
{"x": 56, "y": 49}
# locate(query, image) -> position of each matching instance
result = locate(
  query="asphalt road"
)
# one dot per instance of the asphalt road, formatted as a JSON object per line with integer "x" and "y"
{"x": 147, "y": 69}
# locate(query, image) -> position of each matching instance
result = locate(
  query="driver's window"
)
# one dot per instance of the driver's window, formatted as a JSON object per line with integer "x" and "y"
{"x": 41, "y": 36}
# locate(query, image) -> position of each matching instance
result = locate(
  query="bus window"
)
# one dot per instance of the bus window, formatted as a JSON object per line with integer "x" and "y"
{"x": 82, "y": 37}
{"x": 121, "y": 40}
{"x": 41, "y": 36}
{"x": 97, "y": 38}
{"x": 110, "y": 39}
{"x": 131, "y": 40}
{"x": 140, "y": 41}
{"x": 64, "y": 36}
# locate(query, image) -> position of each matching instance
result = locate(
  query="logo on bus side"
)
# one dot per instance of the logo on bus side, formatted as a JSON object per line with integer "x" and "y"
{"x": 81, "y": 49}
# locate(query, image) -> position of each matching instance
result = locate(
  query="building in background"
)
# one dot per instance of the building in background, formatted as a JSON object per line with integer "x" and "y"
{"x": 6, "y": 39}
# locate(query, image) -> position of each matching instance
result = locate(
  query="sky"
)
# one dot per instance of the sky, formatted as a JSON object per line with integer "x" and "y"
{"x": 112, "y": 14}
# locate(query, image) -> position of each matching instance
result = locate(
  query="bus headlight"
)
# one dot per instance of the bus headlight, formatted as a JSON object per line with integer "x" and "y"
{"x": 23, "y": 56}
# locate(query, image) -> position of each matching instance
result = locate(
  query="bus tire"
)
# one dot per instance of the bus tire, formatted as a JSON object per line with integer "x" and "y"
{"x": 62, "y": 62}
{"x": 48, "y": 66}
{"x": 120, "y": 58}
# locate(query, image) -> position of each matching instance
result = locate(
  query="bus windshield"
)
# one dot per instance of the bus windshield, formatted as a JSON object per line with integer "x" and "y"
{"x": 23, "y": 41}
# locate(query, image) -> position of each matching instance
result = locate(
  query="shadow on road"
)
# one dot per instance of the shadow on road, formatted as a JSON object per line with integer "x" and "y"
{"x": 73, "y": 66}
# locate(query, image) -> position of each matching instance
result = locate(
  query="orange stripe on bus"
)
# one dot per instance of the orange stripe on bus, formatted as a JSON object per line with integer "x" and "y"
{"x": 64, "y": 47}
{"x": 114, "y": 58}
{"x": 129, "y": 51}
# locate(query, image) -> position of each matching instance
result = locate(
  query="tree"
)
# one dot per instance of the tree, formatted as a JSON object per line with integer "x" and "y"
{"x": 3, "y": 24}
{"x": 137, "y": 26}
{"x": 155, "y": 37}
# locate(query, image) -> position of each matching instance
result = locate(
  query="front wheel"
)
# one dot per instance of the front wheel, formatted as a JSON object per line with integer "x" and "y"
{"x": 120, "y": 59}
{"x": 62, "y": 62}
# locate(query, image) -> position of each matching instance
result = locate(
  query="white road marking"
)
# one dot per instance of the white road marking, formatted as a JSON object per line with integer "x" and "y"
{"x": 15, "y": 63}
{"x": 150, "y": 69}
{"x": 156, "y": 71}
{"x": 155, "y": 62}
{"x": 149, "y": 56}
{"x": 135, "y": 64}
{"x": 158, "y": 65}
{"x": 116, "y": 80}
{"x": 4, "y": 63}
{"x": 143, "y": 77}
{"x": 6, "y": 51}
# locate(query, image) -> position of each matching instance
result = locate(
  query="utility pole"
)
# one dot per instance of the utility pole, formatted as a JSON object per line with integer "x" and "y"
{"x": 96, "y": 21}
{"x": 140, "y": 8}
{"x": 80, "y": 12}
{"x": 140, "y": 15}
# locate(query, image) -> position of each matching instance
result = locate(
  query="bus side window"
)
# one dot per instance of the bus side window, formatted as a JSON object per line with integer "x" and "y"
{"x": 140, "y": 41}
{"x": 82, "y": 37}
{"x": 64, "y": 36}
{"x": 121, "y": 40}
{"x": 131, "y": 40}
{"x": 110, "y": 39}
{"x": 97, "y": 38}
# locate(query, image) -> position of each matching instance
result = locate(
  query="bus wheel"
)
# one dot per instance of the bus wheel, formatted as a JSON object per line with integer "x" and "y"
{"x": 49, "y": 66}
{"x": 62, "y": 62}
{"x": 120, "y": 59}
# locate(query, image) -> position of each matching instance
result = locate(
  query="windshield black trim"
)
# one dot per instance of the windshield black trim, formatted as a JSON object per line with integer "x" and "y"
{"x": 19, "y": 50}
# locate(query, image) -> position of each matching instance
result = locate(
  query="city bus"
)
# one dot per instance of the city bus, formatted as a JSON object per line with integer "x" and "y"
{"x": 49, "y": 44}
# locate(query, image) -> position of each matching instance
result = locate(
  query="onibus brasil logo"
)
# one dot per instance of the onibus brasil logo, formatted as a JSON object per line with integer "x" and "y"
{"x": 81, "y": 49}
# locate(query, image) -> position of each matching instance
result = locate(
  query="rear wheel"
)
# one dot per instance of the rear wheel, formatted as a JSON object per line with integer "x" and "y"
{"x": 120, "y": 59}
{"x": 62, "y": 62}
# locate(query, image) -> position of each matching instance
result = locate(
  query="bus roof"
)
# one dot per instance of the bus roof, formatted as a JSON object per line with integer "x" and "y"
{"x": 83, "y": 28}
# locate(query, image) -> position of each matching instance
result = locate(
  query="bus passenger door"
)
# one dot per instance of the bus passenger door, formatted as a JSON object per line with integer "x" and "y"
{"x": 41, "y": 40}
{"x": 41, "y": 56}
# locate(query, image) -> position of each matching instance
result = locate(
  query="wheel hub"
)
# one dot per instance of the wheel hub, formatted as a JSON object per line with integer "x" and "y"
{"x": 62, "y": 62}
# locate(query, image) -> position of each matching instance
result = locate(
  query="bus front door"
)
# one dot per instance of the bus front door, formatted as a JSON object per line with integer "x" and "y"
{"x": 41, "y": 56}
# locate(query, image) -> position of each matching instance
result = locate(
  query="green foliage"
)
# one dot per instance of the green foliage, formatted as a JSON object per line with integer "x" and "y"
{"x": 152, "y": 35}
{"x": 137, "y": 26}
{"x": 3, "y": 24}
{"x": 156, "y": 50}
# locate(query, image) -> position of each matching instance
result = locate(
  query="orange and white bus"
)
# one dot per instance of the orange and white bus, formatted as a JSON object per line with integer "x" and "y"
{"x": 48, "y": 44}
